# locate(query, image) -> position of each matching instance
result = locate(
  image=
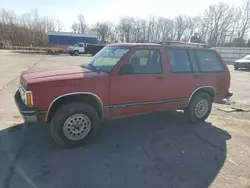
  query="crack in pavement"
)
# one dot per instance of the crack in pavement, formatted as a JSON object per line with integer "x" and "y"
{"x": 158, "y": 160}
{"x": 156, "y": 167}
{"x": 12, "y": 169}
{"x": 31, "y": 66}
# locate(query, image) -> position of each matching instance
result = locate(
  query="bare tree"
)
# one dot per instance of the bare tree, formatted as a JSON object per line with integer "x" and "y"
{"x": 104, "y": 31}
{"x": 220, "y": 25}
{"x": 79, "y": 26}
{"x": 28, "y": 29}
{"x": 244, "y": 22}
{"x": 217, "y": 23}
{"x": 181, "y": 24}
{"x": 59, "y": 26}
{"x": 125, "y": 27}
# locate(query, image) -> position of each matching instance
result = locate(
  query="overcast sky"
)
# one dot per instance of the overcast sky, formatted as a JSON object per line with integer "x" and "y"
{"x": 110, "y": 10}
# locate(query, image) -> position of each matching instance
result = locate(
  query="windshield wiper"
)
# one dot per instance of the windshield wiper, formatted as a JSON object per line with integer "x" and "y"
{"x": 92, "y": 67}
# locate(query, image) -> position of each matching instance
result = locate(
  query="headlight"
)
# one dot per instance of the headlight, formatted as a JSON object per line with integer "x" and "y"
{"x": 26, "y": 96}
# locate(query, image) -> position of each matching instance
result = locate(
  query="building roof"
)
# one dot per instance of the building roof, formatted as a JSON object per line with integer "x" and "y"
{"x": 52, "y": 33}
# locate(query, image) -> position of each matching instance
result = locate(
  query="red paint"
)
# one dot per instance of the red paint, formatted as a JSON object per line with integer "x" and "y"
{"x": 48, "y": 84}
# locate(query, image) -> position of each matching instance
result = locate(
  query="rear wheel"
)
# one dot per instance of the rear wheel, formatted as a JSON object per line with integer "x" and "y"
{"x": 74, "y": 124}
{"x": 199, "y": 107}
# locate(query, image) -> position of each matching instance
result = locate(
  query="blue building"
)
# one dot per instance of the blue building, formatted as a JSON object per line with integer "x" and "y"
{"x": 66, "y": 38}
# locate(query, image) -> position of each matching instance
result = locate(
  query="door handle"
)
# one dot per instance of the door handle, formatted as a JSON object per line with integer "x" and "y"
{"x": 159, "y": 77}
{"x": 196, "y": 75}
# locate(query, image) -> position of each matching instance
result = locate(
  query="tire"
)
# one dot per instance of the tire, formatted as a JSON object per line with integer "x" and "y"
{"x": 63, "y": 130}
{"x": 76, "y": 53}
{"x": 202, "y": 99}
{"x": 236, "y": 67}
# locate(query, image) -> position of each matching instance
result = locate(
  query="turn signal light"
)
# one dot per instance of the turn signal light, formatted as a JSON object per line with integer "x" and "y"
{"x": 29, "y": 101}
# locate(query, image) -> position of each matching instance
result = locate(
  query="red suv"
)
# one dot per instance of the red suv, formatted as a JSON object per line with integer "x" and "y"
{"x": 123, "y": 80}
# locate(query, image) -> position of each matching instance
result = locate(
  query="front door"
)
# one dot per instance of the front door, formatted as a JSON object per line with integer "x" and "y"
{"x": 144, "y": 88}
{"x": 81, "y": 48}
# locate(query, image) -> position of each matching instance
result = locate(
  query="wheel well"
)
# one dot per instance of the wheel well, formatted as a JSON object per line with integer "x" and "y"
{"x": 208, "y": 90}
{"x": 87, "y": 98}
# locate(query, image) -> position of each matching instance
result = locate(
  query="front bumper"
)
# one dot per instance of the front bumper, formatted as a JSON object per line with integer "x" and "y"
{"x": 70, "y": 50}
{"x": 30, "y": 115}
{"x": 243, "y": 65}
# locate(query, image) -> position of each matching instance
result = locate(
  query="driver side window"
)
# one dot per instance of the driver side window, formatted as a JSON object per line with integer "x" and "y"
{"x": 146, "y": 61}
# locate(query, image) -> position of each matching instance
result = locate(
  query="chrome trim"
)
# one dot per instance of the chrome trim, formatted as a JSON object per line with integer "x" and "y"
{"x": 147, "y": 102}
{"x": 75, "y": 93}
{"x": 30, "y": 119}
{"x": 198, "y": 89}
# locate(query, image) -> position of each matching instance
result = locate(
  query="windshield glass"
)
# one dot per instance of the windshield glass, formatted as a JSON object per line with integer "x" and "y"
{"x": 246, "y": 57}
{"x": 106, "y": 59}
{"x": 76, "y": 44}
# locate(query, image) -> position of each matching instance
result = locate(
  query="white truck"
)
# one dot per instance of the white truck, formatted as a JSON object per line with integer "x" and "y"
{"x": 78, "y": 48}
{"x": 83, "y": 48}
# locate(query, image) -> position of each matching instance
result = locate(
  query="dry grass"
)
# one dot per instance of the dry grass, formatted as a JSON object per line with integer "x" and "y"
{"x": 34, "y": 48}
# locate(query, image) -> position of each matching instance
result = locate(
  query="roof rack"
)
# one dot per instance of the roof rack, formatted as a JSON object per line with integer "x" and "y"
{"x": 188, "y": 44}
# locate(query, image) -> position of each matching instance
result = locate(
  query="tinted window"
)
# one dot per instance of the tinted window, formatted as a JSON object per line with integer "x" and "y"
{"x": 146, "y": 61}
{"x": 208, "y": 61}
{"x": 80, "y": 45}
{"x": 194, "y": 62}
{"x": 178, "y": 60}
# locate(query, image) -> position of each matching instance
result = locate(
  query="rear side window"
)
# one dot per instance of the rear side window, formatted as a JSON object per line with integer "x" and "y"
{"x": 209, "y": 61}
{"x": 178, "y": 60}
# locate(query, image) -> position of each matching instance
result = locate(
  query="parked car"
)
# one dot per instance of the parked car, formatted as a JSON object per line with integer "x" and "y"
{"x": 84, "y": 48}
{"x": 123, "y": 80}
{"x": 242, "y": 63}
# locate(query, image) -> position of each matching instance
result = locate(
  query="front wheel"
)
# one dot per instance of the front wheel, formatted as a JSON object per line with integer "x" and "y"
{"x": 76, "y": 53}
{"x": 74, "y": 124}
{"x": 236, "y": 67}
{"x": 199, "y": 107}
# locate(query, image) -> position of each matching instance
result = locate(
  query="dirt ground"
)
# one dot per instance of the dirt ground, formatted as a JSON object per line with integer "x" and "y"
{"x": 156, "y": 150}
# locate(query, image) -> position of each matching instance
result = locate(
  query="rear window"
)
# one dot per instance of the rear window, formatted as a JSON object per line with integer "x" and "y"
{"x": 209, "y": 61}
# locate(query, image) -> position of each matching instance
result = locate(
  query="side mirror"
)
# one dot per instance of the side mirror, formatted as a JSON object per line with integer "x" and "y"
{"x": 126, "y": 69}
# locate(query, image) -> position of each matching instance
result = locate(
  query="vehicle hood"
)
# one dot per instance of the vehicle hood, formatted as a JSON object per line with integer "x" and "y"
{"x": 54, "y": 74}
{"x": 242, "y": 61}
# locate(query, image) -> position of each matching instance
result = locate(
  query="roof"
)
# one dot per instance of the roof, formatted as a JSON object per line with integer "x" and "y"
{"x": 133, "y": 44}
{"x": 69, "y": 34}
{"x": 170, "y": 43}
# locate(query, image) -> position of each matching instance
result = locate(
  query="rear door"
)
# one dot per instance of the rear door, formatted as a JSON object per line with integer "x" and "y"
{"x": 183, "y": 76}
{"x": 145, "y": 88}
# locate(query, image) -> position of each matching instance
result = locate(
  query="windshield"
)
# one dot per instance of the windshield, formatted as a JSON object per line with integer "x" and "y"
{"x": 246, "y": 57}
{"x": 106, "y": 59}
{"x": 76, "y": 44}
